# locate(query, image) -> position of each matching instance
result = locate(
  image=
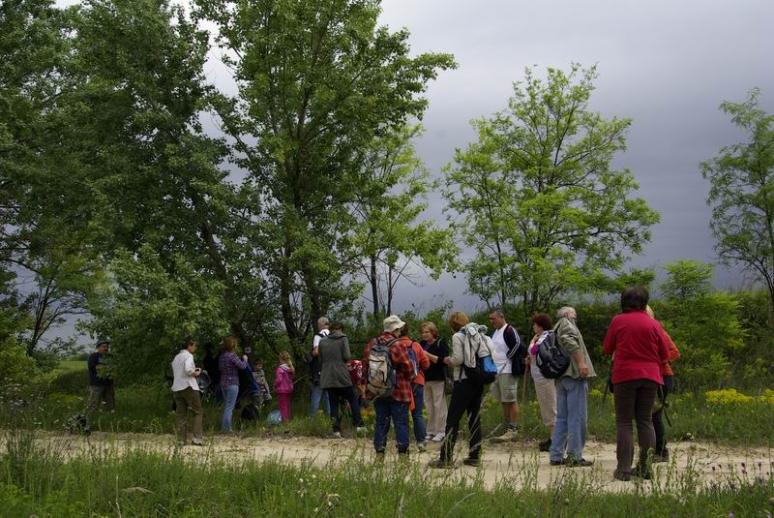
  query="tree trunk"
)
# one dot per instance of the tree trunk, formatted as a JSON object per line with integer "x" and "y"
{"x": 374, "y": 280}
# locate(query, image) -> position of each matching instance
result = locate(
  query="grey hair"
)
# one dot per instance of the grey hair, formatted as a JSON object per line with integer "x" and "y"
{"x": 498, "y": 312}
{"x": 323, "y": 321}
{"x": 566, "y": 311}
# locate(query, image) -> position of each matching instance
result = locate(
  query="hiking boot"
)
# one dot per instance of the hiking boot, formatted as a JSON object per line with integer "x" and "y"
{"x": 197, "y": 442}
{"x": 571, "y": 462}
{"x": 545, "y": 445}
{"x": 623, "y": 477}
{"x": 661, "y": 457}
{"x": 557, "y": 462}
{"x": 472, "y": 461}
{"x": 439, "y": 437}
{"x": 440, "y": 464}
{"x": 508, "y": 436}
{"x": 639, "y": 472}
{"x": 422, "y": 446}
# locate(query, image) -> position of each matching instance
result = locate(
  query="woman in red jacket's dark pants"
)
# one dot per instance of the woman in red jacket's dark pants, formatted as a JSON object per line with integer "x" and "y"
{"x": 640, "y": 349}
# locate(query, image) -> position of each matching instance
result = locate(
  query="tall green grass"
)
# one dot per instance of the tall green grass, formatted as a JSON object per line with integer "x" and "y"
{"x": 36, "y": 478}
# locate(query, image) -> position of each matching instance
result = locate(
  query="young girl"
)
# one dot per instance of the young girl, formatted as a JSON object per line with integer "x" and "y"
{"x": 260, "y": 379}
{"x": 283, "y": 384}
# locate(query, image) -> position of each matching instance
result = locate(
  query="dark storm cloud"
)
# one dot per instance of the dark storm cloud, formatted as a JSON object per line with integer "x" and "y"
{"x": 667, "y": 65}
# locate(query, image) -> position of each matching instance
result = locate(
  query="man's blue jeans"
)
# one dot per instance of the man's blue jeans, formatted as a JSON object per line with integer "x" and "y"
{"x": 318, "y": 396}
{"x": 571, "y": 418}
{"x": 420, "y": 430}
{"x": 387, "y": 409}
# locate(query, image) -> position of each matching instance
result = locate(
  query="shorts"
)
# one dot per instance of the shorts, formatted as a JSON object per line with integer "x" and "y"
{"x": 504, "y": 388}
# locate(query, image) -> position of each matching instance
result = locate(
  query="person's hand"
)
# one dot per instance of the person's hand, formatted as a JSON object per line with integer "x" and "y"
{"x": 197, "y": 372}
{"x": 447, "y": 360}
{"x": 526, "y": 360}
{"x": 244, "y": 357}
{"x": 583, "y": 370}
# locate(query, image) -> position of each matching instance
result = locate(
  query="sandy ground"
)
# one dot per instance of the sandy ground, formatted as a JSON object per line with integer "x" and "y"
{"x": 512, "y": 464}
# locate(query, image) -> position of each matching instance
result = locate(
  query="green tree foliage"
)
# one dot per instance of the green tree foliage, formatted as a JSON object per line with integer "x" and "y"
{"x": 317, "y": 82}
{"x": 538, "y": 199}
{"x": 742, "y": 192}
{"x": 703, "y": 323}
{"x": 387, "y": 235}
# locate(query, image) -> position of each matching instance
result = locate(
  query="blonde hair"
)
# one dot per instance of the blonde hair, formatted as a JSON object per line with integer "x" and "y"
{"x": 430, "y": 327}
{"x": 458, "y": 320}
{"x": 229, "y": 343}
{"x": 284, "y": 357}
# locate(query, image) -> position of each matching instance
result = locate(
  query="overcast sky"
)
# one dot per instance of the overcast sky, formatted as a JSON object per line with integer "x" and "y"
{"x": 665, "y": 64}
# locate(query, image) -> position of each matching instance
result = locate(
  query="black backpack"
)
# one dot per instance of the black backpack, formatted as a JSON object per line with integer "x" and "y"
{"x": 550, "y": 358}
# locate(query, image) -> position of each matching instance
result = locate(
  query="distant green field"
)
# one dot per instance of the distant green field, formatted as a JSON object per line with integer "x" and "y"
{"x": 70, "y": 366}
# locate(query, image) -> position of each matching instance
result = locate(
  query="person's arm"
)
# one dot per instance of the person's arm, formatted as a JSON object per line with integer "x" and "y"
{"x": 237, "y": 362}
{"x": 674, "y": 352}
{"x": 457, "y": 358}
{"x": 570, "y": 341}
{"x": 190, "y": 366}
{"x": 512, "y": 340}
{"x": 347, "y": 353}
{"x": 422, "y": 358}
{"x": 608, "y": 345}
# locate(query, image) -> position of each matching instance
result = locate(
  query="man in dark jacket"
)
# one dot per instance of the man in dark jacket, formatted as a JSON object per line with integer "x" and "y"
{"x": 334, "y": 353}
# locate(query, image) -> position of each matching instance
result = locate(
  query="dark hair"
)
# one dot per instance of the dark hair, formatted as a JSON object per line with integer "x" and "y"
{"x": 543, "y": 320}
{"x": 635, "y": 298}
{"x": 188, "y": 340}
{"x": 405, "y": 330}
{"x": 336, "y": 326}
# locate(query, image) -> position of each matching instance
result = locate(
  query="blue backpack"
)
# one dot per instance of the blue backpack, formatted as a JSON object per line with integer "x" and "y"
{"x": 414, "y": 362}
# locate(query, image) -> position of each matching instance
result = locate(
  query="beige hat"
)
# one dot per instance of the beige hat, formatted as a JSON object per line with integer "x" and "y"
{"x": 393, "y": 323}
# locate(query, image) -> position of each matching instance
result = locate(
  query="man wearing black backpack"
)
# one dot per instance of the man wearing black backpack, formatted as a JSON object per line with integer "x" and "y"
{"x": 509, "y": 359}
{"x": 571, "y": 394}
{"x": 317, "y": 394}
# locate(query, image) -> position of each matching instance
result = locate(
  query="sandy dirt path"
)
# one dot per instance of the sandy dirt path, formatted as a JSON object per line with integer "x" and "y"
{"x": 512, "y": 464}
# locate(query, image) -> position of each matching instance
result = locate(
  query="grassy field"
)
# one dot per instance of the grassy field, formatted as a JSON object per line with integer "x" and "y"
{"x": 39, "y": 480}
{"x": 731, "y": 419}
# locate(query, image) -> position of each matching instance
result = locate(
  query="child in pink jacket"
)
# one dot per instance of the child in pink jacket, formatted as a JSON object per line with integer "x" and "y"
{"x": 283, "y": 384}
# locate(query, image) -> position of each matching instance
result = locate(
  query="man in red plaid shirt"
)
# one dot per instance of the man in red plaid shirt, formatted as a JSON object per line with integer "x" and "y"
{"x": 394, "y": 407}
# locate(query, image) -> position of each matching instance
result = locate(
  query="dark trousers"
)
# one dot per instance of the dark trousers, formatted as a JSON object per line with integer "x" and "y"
{"x": 634, "y": 401}
{"x": 466, "y": 397}
{"x": 188, "y": 402}
{"x": 335, "y": 396}
{"x": 658, "y": 418}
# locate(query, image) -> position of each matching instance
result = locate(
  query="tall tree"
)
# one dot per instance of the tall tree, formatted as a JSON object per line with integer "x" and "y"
{"x": 742, "y": 193}
{"x": 317, "y": 82}
{"x": 389, "y": 235}
{"x": 538, "y": 199}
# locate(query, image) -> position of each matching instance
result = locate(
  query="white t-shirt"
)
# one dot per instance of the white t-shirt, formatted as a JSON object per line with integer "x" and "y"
{"x": 500, "y": 353}
{"x": 318, "y": 337}
{"x": 183, "y": 369}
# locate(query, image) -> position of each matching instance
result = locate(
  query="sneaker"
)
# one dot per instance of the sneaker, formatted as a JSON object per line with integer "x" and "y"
{"x": 336, "y": 435}
{"x": 623, "y": 477}
{"x": 509, "y": 436}
{"x": 557, "y": 462}
{"x": 429, "y": 437}
{"x": 471, "y": 461}
{"x": 545, "y": 445}
{"x": 440, "y": 464}
{"x": 638, "y": 472}
{"x": 578, "y": 463}
{"x": 422, "y": 446}
{"x": 197, "y": 442}
{"x": 439, "y": 437}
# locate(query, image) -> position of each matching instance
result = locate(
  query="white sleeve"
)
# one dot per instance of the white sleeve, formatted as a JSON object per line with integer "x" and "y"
{"x": 316, "y": 341}
{"x": 190, "y": 366}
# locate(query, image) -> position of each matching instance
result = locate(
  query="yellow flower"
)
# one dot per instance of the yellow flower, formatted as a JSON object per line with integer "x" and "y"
{"x": 726, "y": 397}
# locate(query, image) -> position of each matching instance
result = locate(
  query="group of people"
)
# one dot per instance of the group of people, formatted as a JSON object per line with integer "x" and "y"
{"x": 405, "y": 379}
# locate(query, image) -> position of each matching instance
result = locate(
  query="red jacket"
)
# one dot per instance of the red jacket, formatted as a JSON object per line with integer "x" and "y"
{"x": 402, "y": 365}
{"x": 674, "y": 354}
{"x": 423, "y": 362}
{"x": 639, "y": 345}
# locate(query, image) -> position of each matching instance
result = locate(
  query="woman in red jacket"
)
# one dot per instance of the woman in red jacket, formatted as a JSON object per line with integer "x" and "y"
{"x": 662, "y": 453}
{"x": 640, "y": 349}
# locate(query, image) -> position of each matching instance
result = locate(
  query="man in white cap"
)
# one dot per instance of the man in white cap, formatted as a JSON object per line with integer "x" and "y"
{"x": 388, "y": 370}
